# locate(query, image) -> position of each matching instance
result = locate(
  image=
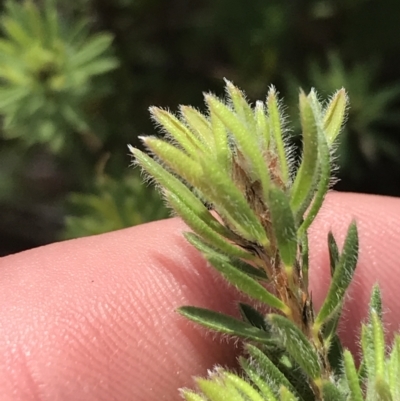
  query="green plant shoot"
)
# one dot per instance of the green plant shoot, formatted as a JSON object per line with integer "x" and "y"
{"x": 230, "y": 175}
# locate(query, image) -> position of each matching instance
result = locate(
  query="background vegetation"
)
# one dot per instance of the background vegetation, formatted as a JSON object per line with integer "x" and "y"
{"x": 77, "y": 78}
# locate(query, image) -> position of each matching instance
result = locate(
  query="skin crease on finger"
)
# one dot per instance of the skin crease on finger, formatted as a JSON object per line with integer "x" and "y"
{"x": 94, "y": 318}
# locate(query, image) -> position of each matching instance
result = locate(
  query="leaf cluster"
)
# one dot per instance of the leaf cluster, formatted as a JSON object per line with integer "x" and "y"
{"x": 269, "y": 375}
{"x": 230, "y": 176}
{"x": 46, "y": 72}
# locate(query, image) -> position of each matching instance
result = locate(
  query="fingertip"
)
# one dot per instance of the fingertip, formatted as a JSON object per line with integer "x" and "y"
{"x": 95, "y": 318}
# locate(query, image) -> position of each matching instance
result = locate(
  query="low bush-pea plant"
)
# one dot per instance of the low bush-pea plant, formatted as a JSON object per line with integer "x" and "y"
{"x": 229, "y": 174}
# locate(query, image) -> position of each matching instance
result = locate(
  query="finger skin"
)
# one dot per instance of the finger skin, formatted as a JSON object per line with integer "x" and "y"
{"x": 94, "y": 318}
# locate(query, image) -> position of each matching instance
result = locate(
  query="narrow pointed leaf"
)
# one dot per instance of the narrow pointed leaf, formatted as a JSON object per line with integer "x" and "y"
{"x": 205, "y": 248}
{"x": 379, "y": 344}
{"x": 230, "y": 202}
{"x": 330, "y": 327}
{"x": 246, "y": 140}
{"x": 191, "y": 396}
{"x": 174, "y": 185}
{"x": 284, "y": 226}
{"x": 352, "y": 376}
{"x": 333, "y": 252}
{"x": 342, "y": 276}
{"x": 257, "y": 380}
{"x": 252, "y": 316}
{"x": 294, "y": 374}
{"x": 241, "y": 106}
{"x": 216, "y": 390}
{"x": 362, "y": 372}
{"x": 199, "y": 125}
{"x": 297, "y": 345}
{"x": 302, "y": 187}
{"x": 335, "y": 354}
{"x": 176, "y": 159}
{"x": 269, "y": 370}
{"x": 221, "y": 145}
{"x": 200, "y": 226}
{"x": 276, "y": 129}
{"x": 244, "y": 388}
{"x": 245, "y": 283}
{"x": 324, "y": 164}
{"x": 335, "y": 115}
{"x": 368, "y": 350}
{"x": 177, "y": 130}
{"x": 376, "y": 301}
{"x": 305, "y": 259}
{"x": 224, "y": 324}
{"x": 262, "y": 124}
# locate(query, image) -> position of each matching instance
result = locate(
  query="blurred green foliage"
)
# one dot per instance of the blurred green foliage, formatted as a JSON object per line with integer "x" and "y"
{"x": 46, "y": 72}
{"x": 69, "y": 99}
{"x": 112, "y": 205}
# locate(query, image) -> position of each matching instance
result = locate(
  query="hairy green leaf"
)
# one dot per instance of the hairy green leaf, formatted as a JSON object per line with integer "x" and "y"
{"x": 175, "y": 186}
{"x": 199, "y": 125}
{"x": 258, "y": 380}
{"x": 341, "y": 278}
{"x": 231, "y": 204}
{"x": 330, "y": 327}
{"x": 276, "y": 129}
{"x": 333, "y": 252}
{"x": 191, "y": 396}
{"x": 252, "y": 316}
{"x": 297, "y": 345}
{"x": 334, "y": 115}
{"x": 243, "y": 387}
{"x": 368, "y": 349}
{"x": 331, "y": 392}
{"x": 201, "y": 227}
{"x": 183, "y": 165}
{"x": 245, "y": 283}
{"x": 218, "y": 390}
{"x": 376, "y": 301}
{"x": 262, "y": 124}
{"x": 324, "y": 166}
{"x": 335, "y": 354}
{"x": 301, "y": 191}
{"x": 224, "y": 324}
{"x": 221, "y": 145}
{"x": 379, "y": 344}
{"x": 284, "y": 226}
{"x": 241, "y": 106}
{"x": 263, "y": 365}
{"x": 352, "y": 376}
{"x": 178, "y": 131}
{"x": 304, "y": 251}
{"x": 206, "y": 248}
{"x": 246, "y": 140}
